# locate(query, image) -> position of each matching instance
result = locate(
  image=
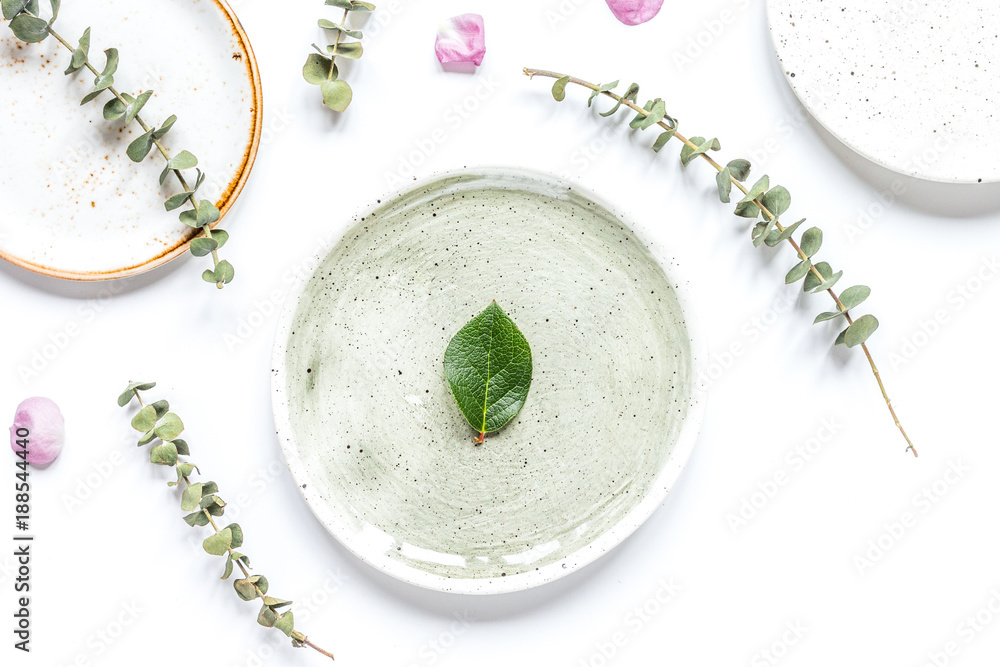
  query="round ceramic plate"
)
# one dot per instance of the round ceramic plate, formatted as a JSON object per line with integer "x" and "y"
{"x": 911, "y": 85}
{"x": 375, "y": 440}
{"x": 74, "y": 205}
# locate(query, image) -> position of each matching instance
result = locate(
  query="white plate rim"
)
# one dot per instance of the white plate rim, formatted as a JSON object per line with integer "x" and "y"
{"x": 818, "y": 117}
{"x": 659, "y": 489}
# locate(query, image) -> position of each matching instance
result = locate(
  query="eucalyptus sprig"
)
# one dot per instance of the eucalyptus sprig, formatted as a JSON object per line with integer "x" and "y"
{"x": 201, "y": 500}
{"x": 760, "y": 201}
{"x": 320, "y": 68}
{"x": 28, "y": 26}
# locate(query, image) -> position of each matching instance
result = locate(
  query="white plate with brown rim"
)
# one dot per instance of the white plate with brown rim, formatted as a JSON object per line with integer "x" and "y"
{"x": 74, "y": 206}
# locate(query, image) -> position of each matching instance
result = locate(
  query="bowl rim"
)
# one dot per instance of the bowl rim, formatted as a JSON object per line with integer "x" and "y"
{"x": 604, "y": 543}
{"x": 229, "y": 197}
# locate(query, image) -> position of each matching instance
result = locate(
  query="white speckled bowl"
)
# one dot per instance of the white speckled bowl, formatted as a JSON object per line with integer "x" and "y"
{"x": 75, "y": 206}
{"x": 373, "y": 437}
{"x": 912, "y": 86}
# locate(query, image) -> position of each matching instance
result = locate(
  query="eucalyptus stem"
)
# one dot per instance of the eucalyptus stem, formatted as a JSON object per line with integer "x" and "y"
{"x": 156, "y": 422}
{"x": 320, "y": 68}
{"x": 768, "y": 230}
{"x": 28, "y": 26}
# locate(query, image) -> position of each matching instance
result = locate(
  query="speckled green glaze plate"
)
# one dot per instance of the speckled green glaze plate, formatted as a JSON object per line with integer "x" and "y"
{"x": 375, "y": 440}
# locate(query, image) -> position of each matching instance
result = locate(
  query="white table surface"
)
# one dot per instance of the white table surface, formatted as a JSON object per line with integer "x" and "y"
{"x": 117, "y": 576}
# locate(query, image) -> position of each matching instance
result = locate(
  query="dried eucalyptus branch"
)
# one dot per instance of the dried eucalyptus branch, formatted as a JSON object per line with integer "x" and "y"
{"x": 321, "y": 69}
{"x": 759, "y": 199}
{"x": 156, "y": 422}
{"x": 29, "y": 27}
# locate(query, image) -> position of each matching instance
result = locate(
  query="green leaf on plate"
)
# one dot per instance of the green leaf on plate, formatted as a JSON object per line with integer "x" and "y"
{"x": 488, "y": 368}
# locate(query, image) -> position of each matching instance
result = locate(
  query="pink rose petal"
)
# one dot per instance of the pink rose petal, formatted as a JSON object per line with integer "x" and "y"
{"x": 45, "y": 427}
{"x": 461, "y": 39}
{"x": 634, "y": 12}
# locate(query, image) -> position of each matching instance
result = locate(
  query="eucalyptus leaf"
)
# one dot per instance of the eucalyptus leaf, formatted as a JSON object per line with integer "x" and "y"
{"x": 757, "y": 189}
{"x": 169, "y": 427}
{"x": 785, "y": 234}
{"x": 224, "y": 272}
{"x": 163, "y": 455}
{"x": 114, "y": 109}
{"x": 29, "y": 28}
{"x": 176, "y": 201}
{"x": 136, "y": 105}
{"x": 798, "y": 272}
{"x": 739, "y": 168}
{"x": 191, "y": 497}
{"x": 724, "y": 180}
{"x": 860, "y": 331}
{"x": 747, "y": 209}
{"x": 656, "y": 113}
{"x": 823, "y": 317}
{"x": 776, "y": 200}
{"x": 140, "y": 147}
{"x": 488, "y": 367}
{"x": 316, "y": 69}
{"x": 198, "y": 518}
{"x": 12, "y": 8}
{"x": 182, "y": 446}
{"x": 761, "y": 231}
{"x": 662, "y": 139}
{"x": 351, "y": 50}
{"x": 80, "y": 53}
{"x": 812, "y": 241}
{"x": 246, "y": 589}
{"x": 203, "y": 246}
{"x": 167, "y": 124}
{"x": 55, "y": 5}
{"x": 559, "y": 89}
{"x": 145, "y": 419}
{"x": 852, "y": 297}
{"x": 285, "y": 623}
{"x": 603, "y": 88}
{"x": 337, "y": 28}
{"x": 160, "y": 408}
{"x": 129, "y": 393}
{"x": 337, "y": 94}
{"x": 220, "y": 236}
{"x": 267, "y": 617}
{"x": 219, "y": 543}
{"x": 812, "y": 282}
{"x": 183, "y": 160}
{"x": 237, "y": 533}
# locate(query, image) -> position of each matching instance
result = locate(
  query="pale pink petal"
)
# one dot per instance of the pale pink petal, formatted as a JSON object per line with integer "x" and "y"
{"x": 461, "y": 39}
{"x": 39, "y": 421}
{"x": 634, "y": 12}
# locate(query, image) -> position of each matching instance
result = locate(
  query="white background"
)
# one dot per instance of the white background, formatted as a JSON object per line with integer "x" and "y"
{"x": 117, "y": 576}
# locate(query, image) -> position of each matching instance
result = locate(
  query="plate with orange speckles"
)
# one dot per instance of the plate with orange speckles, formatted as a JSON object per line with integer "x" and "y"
{"x": 74, "y": 205}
